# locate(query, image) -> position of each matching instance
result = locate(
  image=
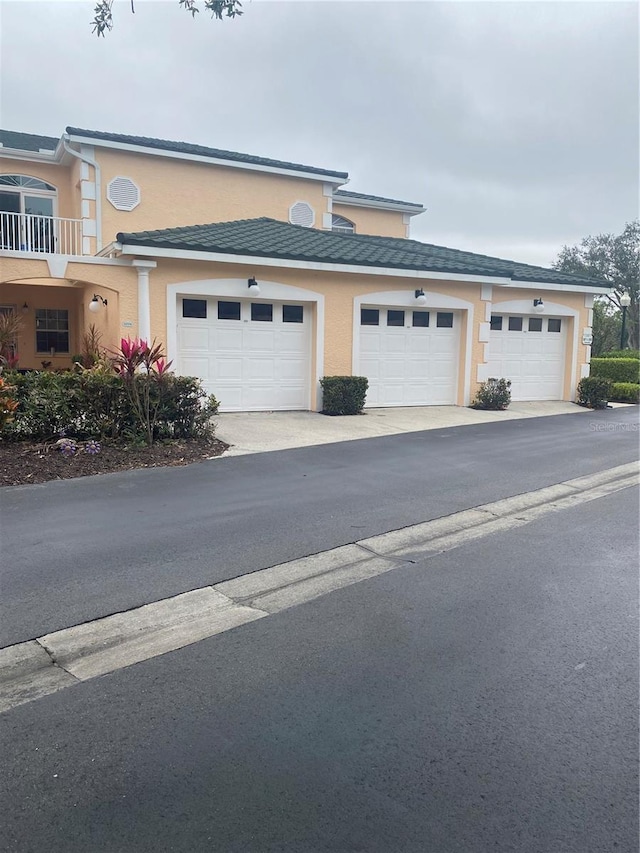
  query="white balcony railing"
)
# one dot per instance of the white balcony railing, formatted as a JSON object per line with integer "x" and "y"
{"x": 29, "y": 232}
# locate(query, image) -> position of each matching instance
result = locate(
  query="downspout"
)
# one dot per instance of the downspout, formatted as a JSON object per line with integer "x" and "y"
{"x": 98, "y": 175}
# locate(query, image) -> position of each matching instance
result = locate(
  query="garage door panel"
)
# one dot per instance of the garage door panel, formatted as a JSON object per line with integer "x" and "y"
{"x": 258, "y": 368}
{"x": 418, "y": 344}
{"x": 409, "y": 365}
{"x": 229, "y": 368}
{"x": 249, "y": 364}
{"x": 289, "y": 369}
{"x": 260, "y": 340}
{"x": 534, "y": 361}
{"x": 395, "y": 344}
{"x": 193, "y": 338}
{"x": 441, "y": 344}
{"x": 292, "y": 342}
{"x": 226, "y": 339}
{"x": 195, "y": 366}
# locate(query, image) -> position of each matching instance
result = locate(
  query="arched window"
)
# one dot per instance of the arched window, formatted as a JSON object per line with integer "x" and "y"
{"x": 339, "y": 223}
{"x": 27, "y": 208}
{"x": 26, "y": 182}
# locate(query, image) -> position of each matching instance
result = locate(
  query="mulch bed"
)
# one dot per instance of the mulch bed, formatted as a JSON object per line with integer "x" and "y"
{"x": 23, "y": 463}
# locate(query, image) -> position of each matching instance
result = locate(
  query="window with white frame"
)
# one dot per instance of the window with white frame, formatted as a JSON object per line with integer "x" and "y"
{"x": 341, "y": 224}
{"x": 52, "y": 330}
{"x": 27, "y": 208}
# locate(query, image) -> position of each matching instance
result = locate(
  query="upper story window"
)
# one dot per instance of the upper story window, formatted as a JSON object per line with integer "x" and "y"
{"x": 27, "y": 208}
{"x": 23, "y": 194}
{"x": 25, "y": 181}
{"x": 339, "y": 223}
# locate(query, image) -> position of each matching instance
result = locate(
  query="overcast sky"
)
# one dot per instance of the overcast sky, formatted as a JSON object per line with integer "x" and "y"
{"x": 514, "y": 123}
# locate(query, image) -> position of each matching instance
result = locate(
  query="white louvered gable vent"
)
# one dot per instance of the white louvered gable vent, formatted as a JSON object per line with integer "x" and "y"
{"x": 123, "y": 193}
{"x": 302, "y": 213}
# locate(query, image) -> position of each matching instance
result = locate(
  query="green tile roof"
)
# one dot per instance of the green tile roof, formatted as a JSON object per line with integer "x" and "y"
{"x": 271, "y": 238}
{"x": 345, "y": 195}
{"x": 202, "y": 151}
{"x": 27, "y": 141}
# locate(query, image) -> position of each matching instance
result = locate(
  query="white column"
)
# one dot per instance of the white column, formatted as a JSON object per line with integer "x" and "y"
{"x": 144, "y": 303}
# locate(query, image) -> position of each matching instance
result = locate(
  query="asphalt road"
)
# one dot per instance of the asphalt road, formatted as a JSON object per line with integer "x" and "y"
{"x": 76, "y": 550}
{"x": 485, "y": 699}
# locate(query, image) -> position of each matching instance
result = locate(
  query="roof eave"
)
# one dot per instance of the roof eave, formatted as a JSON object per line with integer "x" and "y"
{"x": 337, "y": 179}
{"x": 410, "y": 209}
{"x": 123, "y": 247}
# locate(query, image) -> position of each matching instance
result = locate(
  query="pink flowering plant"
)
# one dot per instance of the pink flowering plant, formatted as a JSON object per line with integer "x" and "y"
{"x": 143, "y": 368}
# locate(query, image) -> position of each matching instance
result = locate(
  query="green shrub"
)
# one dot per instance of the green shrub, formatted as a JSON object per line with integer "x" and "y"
{"x": 616, "y": 369}
{"x": 96, "y": 404}
{"x": 493, "y": 394}
{"x": 343, "y": 395}
{"x": 621, "y": 353}
{"x": 185, "y": 409}
{"x": 594, "y": 392}
{"x": 625, "y": 392}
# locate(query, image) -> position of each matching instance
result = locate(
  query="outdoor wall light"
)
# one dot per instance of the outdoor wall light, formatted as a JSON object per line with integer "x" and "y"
{"x": 421, "y": 299}
{"x": 254, "y": 287}
{"x": 95, "y": 303}
{"x": 538, "y": 306}
{"x": 25, "y": 308}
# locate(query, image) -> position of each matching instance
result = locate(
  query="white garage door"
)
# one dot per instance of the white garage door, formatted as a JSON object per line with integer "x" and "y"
{"x": 410, "y": 357}
{"x": 252, "y": 355}
{"x": 530, "y": 351}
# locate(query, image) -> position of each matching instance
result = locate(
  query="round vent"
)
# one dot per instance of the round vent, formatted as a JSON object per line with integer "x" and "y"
{"x": 123, "y": 193}
{"x": 302, "y": 213}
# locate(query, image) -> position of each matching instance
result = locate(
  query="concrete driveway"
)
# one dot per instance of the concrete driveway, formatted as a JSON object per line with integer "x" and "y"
{"x": 257, "y": 432}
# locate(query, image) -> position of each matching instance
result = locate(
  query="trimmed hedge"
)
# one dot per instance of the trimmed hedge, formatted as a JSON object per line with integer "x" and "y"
{"x": 96, "y": 405}
{"x": 616, "y": 369}
{"x": 343, "y": 395}
{"x": 621, "y": 353}
{"x": 625, "y": 392}
{"x": 594, "y": 392}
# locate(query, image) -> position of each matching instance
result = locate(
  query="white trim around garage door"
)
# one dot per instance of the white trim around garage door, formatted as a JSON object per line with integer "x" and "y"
{"x": 553, "y": 309}
{"x": 237, "y": 288}
{"x": 406, "y": 299}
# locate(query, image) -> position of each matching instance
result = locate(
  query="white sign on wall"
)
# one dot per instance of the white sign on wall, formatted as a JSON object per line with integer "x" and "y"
{"x": 587, "y": 336}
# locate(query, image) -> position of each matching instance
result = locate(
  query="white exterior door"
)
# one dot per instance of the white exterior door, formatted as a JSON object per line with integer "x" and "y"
{"x": 530, "y": 350}
{"x": 410, "y": 356}
{"x": 253, "y": 355}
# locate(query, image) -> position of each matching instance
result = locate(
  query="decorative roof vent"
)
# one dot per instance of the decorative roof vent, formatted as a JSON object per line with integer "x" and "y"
{"x": 123, "y": 193}
{"x": 302, "y": 213}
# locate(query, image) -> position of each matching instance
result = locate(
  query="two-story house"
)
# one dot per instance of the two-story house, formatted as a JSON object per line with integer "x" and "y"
{"x": 261, "y": 276}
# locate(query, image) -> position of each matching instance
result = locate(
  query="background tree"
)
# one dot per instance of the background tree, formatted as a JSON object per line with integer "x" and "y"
{"x": 219, "y": 9}
{"x": 615, "y": 258}
{"x": 607, "y": 325}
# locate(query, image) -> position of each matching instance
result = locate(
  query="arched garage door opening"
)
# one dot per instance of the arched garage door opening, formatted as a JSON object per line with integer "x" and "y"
{"x": 253, "y": 353}
{"x": 411, "y": 353}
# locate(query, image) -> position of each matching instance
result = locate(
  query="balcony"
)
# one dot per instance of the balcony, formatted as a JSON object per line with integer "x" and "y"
{"x": 28, "y": 232}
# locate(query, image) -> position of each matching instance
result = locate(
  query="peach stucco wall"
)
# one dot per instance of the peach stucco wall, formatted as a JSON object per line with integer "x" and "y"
{"x": 58, "y": 176}
{"x": 179, "y": 192}
{"x": 386, "y": 223}
{"x": 29, "y": 280}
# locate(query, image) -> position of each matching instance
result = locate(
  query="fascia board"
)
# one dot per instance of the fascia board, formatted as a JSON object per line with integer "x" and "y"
{"x": 198, "y": 158}
{"x": 379, "y": 205}
{"x": 256, "y": 260}
{"x": 547, "y": 285}
{"x": 30, "y": 156}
